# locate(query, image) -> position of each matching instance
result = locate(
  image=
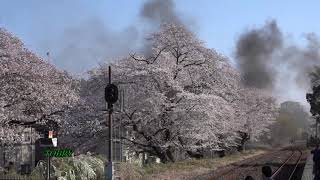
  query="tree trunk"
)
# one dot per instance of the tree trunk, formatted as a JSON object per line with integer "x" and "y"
{"x": 244, "y": 138}
{"x": 164, "y": 158}
{"x": 170, "y": 154}
{"x": 166, "y": 155}
{"x": 197, "y": 154}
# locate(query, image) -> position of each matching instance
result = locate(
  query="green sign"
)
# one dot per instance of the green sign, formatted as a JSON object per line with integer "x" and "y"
{"x": 57, "y": 152}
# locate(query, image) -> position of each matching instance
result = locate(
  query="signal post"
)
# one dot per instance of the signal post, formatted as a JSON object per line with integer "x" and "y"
{"x": 111, "y": 97}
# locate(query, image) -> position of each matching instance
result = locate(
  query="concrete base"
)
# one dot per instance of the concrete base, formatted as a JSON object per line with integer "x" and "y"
{"x": 108, "y": 170}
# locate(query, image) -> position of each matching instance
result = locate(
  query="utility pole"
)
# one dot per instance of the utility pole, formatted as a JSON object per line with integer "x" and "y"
{"x": 110, "y": 122}
{"x": 316, "y": 128}
{"x": 32, "y": 150}
{"x": 120, "y": 129}
{"x": 111, "y": 96}
{"x": 317, "y": 122}
{"x": 48, "y": 168}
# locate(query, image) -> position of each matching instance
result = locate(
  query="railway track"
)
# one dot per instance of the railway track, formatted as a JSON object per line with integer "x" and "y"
{"x": 284, "y": 164}
{"x": 235, "y": 171}
{"x": 253, "y": 167}
{"x": 289, "y": 171}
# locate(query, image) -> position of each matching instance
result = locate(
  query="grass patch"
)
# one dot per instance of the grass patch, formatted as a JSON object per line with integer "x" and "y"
{"x": 189, "y": 165}
{"x": 62, "y": 164}
{"x": 101, "y": 157}
{"x": 131, "y": 171}
{"x": 181, "y": 169}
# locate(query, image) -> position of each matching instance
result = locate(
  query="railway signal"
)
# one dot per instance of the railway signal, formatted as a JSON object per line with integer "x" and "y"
{"x": 111, "y": 97}
{"x": 111, "y": 93}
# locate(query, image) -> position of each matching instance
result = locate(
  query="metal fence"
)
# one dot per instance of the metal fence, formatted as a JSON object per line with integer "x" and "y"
{"x": 15, "y": 177}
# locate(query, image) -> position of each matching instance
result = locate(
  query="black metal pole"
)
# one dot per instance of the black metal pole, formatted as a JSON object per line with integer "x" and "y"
{"x": 110, "y": 133}
{"x": 110, "y": 138}
{"x": 48, "y": 169}
{"x": 4, "y": 157}
{"x": 110, "y": 123}
{"x": 109, "y": 74}
{"x": 111, "y": 96}
{"x": 317, "y": 120}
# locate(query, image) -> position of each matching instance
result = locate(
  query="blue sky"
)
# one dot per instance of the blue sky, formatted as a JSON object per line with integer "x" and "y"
{"x": 40, "y": 22}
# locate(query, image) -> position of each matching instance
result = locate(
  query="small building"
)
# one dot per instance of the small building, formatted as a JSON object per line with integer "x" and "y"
{"x": 20, "y": 155}
{"x": 23, "y": 156}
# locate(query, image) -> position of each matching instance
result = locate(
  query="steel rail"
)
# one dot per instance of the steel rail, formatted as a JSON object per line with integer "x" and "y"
{"x": 297, "y": 163}
{"x": 279, "y": 168}
{"x": 283, "y": 164}
{"x": 249, "y": 166}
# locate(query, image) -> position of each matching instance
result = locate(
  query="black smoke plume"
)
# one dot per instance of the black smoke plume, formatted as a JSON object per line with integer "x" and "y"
{"x": 160, "y": 11}
{"x": 269, "y": 61}
{"x": 254, "y": 54}
{"x": 84, "y": 46}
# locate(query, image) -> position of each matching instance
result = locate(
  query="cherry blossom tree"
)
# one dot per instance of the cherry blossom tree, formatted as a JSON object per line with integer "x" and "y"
{"x": 31, "y": 90}
{"x": 182, "y": 96}
{"x": 256, "y": 111}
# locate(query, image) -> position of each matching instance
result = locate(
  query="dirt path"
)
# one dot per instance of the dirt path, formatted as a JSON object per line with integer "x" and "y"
{"x": 194, "y": 169}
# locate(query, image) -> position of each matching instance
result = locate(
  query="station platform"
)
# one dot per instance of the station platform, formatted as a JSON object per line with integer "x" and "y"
{"x": 308, "y": 168}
